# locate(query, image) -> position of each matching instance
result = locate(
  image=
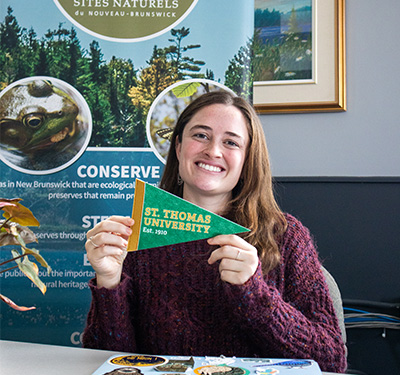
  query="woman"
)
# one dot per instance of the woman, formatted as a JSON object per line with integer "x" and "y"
{"x": 259, "y": 295}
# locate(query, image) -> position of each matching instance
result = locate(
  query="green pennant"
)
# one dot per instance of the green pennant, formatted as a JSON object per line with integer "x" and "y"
{"x": 162, "y": 218}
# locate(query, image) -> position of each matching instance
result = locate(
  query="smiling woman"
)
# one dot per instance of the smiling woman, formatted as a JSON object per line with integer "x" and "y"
{"x": 237, "y": 295}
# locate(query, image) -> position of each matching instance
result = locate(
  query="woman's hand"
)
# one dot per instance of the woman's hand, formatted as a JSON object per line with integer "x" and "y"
{"x": 106, "y": 249}
{"x": 238, "y": 259}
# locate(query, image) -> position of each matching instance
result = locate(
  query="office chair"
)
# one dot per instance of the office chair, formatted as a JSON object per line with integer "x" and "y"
{"x": 337, "y": 301}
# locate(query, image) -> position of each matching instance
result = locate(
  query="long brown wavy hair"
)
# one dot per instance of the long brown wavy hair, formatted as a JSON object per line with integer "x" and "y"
{"x": 253, "y": 203}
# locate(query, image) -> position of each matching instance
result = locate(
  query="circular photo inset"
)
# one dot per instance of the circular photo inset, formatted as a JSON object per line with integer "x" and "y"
{"x": 167, "y": 107}
{"x": 125, "y": 20}
{"x": 45, "y": 125}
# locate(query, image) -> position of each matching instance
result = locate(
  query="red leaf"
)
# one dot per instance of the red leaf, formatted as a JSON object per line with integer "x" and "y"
{"x": 14, "y": 305}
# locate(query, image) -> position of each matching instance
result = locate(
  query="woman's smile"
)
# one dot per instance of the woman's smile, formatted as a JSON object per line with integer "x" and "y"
{"x": 210, "y": 168}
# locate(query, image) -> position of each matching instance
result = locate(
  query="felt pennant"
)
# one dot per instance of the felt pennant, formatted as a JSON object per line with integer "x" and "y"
{"x": 162, "y": 218}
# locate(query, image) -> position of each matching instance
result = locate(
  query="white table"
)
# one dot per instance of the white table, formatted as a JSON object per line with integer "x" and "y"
{"x": 38, "y": 359}
{"x": 34, "y": 359}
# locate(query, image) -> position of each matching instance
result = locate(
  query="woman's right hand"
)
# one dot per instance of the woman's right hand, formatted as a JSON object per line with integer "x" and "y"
{"x": 106, "y": 249}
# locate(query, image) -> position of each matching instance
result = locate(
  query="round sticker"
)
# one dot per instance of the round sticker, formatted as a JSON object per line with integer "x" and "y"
{"x": 138, "y": 360}
{"x": 124, "y": 371}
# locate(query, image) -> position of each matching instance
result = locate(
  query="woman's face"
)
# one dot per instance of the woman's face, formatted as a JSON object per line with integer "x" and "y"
{"x": 212, "y": 152}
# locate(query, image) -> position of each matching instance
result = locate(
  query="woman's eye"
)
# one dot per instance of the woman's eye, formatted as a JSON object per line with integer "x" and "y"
{"x": 232, "y": 143}
{"x": 200, "y": 136}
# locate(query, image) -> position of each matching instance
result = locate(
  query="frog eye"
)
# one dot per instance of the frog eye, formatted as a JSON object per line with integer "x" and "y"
{"x": 33, "y": 121}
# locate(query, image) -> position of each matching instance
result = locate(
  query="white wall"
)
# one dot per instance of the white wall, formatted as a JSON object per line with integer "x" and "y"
{"x": 364, "y": 140}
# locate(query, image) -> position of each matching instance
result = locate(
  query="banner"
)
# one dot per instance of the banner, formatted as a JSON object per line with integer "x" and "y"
{"x": 90, "y": 92}
{"x": 163, "y": 219}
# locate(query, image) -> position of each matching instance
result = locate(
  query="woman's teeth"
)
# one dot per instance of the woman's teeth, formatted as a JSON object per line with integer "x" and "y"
{"x": 210, "y": 167}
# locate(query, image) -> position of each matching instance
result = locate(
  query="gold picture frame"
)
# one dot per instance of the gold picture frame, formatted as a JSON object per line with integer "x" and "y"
{"x": 326, "y": 92}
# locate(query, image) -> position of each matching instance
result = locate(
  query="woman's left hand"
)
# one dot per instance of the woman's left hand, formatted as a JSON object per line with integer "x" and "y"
{"x": 239, "y": 259}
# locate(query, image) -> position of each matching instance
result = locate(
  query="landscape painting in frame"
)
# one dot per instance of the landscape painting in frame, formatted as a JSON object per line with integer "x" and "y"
{"x": 283, "y": 41}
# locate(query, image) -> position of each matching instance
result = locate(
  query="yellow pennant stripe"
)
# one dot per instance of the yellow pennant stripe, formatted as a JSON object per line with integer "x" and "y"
{"x": 137, "y": 215}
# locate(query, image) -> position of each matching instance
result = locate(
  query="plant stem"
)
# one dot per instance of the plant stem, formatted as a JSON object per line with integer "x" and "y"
{"x": 10, "y": 260}
{"x": 5, "y": 222}
{"x": 8, "y": 269}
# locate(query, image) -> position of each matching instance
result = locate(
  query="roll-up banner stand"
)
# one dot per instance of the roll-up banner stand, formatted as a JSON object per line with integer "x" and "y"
{"x": 90, "y": 92}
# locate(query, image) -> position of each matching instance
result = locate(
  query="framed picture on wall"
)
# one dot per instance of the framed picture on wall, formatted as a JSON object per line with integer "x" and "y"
{"x": 299, "y": 56}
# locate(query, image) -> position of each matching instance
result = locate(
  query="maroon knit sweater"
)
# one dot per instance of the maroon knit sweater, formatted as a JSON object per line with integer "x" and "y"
{"x": 171, "y": 301}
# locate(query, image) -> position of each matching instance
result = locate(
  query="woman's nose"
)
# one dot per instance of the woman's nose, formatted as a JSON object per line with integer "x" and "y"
{"x": 214, "y": 149}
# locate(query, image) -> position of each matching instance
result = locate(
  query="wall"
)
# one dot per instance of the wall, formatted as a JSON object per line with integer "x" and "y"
{"x": 364, "y": 141}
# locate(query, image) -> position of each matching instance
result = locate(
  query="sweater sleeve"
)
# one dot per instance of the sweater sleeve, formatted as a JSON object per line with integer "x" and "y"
{"x": 289, "y": 312}
{"x": 109, "y": 323}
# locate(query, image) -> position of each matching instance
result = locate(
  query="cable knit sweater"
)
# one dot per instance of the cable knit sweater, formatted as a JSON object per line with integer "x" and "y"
{"x": 171, "y": 301}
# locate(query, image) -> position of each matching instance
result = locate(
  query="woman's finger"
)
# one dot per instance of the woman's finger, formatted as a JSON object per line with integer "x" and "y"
{"x": 103, "y": 239}
{"x": 232, "y": 247}
{"x": 230, "y": 239}
{"x": 107, "y": 251}
{"x": 116, "y": 224}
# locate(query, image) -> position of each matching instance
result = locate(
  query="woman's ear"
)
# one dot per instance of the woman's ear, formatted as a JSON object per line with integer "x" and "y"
{"x": 177, "y": 147}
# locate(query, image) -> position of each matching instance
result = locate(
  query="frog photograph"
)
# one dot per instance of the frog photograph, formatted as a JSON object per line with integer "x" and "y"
{"x": 45, "y": 125}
